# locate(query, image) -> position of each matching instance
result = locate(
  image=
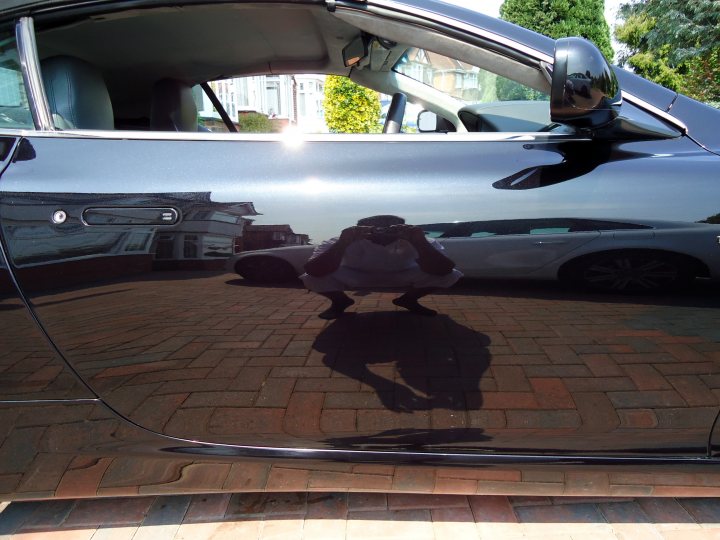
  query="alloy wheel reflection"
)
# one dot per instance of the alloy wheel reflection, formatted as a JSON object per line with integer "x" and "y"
{"x": 633, "y": 274}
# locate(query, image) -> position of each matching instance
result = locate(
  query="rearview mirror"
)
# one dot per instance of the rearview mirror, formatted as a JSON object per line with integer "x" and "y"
{"x": 585, "y": 92}
{"x": 355, "y": 51}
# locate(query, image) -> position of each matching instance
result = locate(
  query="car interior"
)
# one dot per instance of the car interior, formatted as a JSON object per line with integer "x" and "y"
{"x": 96, "y": 77}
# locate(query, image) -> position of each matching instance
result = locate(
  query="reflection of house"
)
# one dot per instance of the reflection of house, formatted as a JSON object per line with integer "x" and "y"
{"x": 451, "y": 76}
{"x": 208, "y": 234}
{"x": 271, "y": 236}
{"x": 310, "y": 94}
{"x": 47, "y": 255}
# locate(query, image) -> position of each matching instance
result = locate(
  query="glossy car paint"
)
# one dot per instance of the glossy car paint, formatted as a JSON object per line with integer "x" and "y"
{"x": 534, "y": 249}
{"x": 126, "y": 368}
{"x": 199, "y": 381}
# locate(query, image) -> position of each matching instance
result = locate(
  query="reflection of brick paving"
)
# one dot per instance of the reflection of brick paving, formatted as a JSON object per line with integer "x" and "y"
{"x": 205, "y": 356}
{"x": 326, "y": 516}
{"x": 29, "y": 368}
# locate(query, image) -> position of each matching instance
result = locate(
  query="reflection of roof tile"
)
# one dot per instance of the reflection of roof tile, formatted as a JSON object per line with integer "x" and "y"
{"x": 270, "y": 228}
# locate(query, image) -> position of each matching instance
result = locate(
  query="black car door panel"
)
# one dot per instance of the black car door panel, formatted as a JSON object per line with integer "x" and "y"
{"x": 126, "y": 258}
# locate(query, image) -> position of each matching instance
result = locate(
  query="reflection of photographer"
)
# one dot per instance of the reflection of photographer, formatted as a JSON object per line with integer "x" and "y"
{"x": 381, "y": 251}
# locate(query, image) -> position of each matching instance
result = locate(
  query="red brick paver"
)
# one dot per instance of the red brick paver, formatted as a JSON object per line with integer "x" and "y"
{"x": 343, "y": 516}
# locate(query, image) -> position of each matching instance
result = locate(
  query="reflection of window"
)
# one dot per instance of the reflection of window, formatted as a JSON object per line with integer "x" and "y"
{"x": 217, "y": 246}
{"x": 190, "y": 246}
{"x": 221, "y": 216}
{"x": 164, "y": 247}
{"x": 550, "y": 230}
{"x": 137, "y": 242}
{"x": 480, "y": 229}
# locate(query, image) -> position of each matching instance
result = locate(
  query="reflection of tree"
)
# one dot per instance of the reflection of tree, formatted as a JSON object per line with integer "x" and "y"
{"x": 508, "y": 90}
{"x": 715, "y": 219}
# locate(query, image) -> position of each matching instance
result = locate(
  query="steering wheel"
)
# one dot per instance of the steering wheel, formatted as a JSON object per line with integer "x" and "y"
{"x": 393, "y": 121}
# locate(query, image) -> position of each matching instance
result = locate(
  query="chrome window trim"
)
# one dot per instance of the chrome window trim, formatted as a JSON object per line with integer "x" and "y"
{"x": 497, "y": 38}
{"x": 15, "y": 132}
{"x": 292, "y": 139}
{"x": 30, "y": 66}
{"x": 652, "y": 109}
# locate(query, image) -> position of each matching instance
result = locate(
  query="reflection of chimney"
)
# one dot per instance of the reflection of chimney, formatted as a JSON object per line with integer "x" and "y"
{"x": 294, "y": 99}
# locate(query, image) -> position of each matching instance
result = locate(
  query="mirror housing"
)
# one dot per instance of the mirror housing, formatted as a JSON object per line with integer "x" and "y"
{"x": 427, "y": 122}
{"x": 585, "y": 92}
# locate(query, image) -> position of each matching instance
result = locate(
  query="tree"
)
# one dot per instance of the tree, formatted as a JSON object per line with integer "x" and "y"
{"x": 714, "y": 219}
{"x": 692, "y": 29}
{"x": 703, "y": 77}
{"x": 350, "y": 108}
{"x": 562, "y": 18}
{"x": 253, "y": 122}
{"x": 674, "y": 43}
{"x": 653, "y": 64}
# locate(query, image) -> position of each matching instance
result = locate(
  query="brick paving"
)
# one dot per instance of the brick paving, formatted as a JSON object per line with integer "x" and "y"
{"x": 343, "y": 516}
{"x": 504, "y": 365}
{"x": 208, "y": 356}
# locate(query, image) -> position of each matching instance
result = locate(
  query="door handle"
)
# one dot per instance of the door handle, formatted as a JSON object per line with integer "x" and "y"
{"x": 130, "y": 215}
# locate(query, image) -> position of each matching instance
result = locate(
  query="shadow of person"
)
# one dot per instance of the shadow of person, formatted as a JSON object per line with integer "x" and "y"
{"x": 425, "y": 372}
{"x": 412, "y": 363}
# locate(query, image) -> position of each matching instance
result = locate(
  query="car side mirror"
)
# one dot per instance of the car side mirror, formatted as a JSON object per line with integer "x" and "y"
{"x": 585, "y": 92}
{"x": 427, "y": 122}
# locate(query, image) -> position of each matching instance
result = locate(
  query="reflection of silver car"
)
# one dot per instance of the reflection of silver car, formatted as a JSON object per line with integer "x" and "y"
{"x": 597, "y": 253}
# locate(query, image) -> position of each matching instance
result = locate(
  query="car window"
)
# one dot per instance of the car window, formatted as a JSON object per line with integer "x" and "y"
{"x": 550, "y": 230}
{"x": 266, "y": 103}
{"x": 14, "y": 109}
{"x": 265, "y": 85}
{"x": 487, "y": 101}
{"x": 505, "y": 227}
{"x": 461, "y": 80}
{"x": 274, "y": 104}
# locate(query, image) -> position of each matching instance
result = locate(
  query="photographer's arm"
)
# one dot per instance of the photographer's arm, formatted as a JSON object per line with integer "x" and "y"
{"x": 430, "y": 260}
{"x": 329, "y": 261}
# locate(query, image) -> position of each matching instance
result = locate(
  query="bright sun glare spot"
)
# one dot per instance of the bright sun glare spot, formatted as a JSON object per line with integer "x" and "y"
{"x": 314, "y": 186}
{"x": 292, "y": 137}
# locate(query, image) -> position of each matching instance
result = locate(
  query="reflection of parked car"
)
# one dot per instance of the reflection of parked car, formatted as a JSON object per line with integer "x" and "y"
{"x": 597, "y": 253}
